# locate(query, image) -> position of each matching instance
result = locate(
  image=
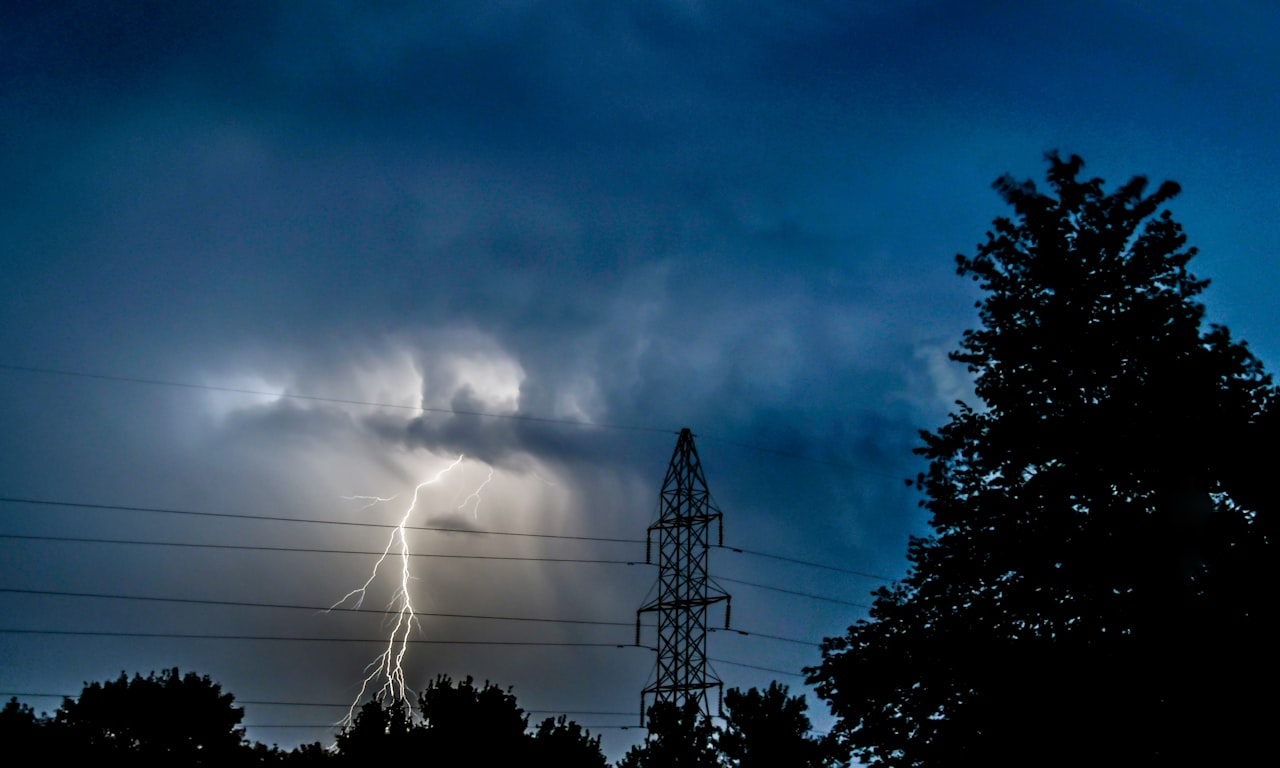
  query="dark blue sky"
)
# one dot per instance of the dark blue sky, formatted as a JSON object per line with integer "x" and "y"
{"x": 737, "y": 217}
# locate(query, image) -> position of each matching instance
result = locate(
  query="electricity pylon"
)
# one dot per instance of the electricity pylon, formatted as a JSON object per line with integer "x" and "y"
{"x": 684, "y": 519}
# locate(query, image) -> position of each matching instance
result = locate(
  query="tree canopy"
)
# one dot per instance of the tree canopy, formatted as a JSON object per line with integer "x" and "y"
{"x": 680, "y": 737}
{"x": 1096, "y": 583}
{"x": 461, "y": 723}
{"x": 562, "y": 742}
{"x": 761, "y": 728}
{"x": 769, "y": 729}
{"x": 175, "y": 719}
{"x": 166, "y": 717}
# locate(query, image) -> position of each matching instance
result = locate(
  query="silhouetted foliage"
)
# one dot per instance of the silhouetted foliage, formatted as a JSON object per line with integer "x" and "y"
{"x": 304, "y": 755}
{"x": 166, "y": 718}
{"x": 464, "y": 724}
{"x": 770, "y": 730}
{"x": 21, "y": 727}
{"x": 378, "y": 734}
{"x": 1097, "y": 584}
{"x": 679, "y": 737}
{"x": 563, "y": 743}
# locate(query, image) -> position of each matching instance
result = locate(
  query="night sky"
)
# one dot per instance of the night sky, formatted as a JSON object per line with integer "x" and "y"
{"x": 368, "y": 238}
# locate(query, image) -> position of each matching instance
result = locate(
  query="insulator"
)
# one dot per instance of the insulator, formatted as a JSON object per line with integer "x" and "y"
{"x": 728, "y": 609}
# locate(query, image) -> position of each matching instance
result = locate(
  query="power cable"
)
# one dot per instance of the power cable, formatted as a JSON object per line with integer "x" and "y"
{"x": 296, "y": 639}
{"x": 809, "y": 563}
{"x": 318, "y": 609}
{"x": 370, "y": 553}
{"x": 334, "y": 705}
{"x": 754, "y": 666}
{"x": 439, "y": 529}
{"x": 748, "y": 633}
{"x": 308, "y": 550}
{"x": 809, "y": 595}
{"x": 379, "y": 640}
{"x": 340, "y": 609}
{"x": 311, "y": 521}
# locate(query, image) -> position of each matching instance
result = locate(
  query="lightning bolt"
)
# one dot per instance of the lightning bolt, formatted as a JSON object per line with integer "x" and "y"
{"x": 475, "y": 510}
{"x": 388, "y": 666}
{"x": 371, "y": 499}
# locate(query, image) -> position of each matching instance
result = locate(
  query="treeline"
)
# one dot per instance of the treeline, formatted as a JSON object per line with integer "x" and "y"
{"x": 175, "y": 719}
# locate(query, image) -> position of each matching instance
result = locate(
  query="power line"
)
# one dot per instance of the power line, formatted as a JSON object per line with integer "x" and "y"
{"x": 437, "y": 529}
{"x": 755, "y": 666}
{"x": 312, "y": 521}
{"x": 747, "y": 633}
{"x": 329, "y": 726}
{"x": 318, "y": 726}
{"x": 509, "y": 558}
{"x": 434, "y": 555}
{"x": 320, "y": 609}
{"x": 333, "y": 705}
{"x": 340, "y": 609}
{"x": 809, "y": 563}
{"x": 809, "y": 595}
{"x": 309, "y": 550}
{"x": 297, "y": 639}
{"x": 293, "y": 639}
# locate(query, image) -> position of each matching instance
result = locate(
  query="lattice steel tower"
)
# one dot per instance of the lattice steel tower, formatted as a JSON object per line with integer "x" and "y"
{"x": 685, "y": 515}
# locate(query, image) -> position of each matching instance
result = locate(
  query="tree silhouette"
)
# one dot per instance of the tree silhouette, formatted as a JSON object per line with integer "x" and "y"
{"x": 162, "y": 720}
{"x": 166, "y": 718}
{"x": 303, "y": 755}
{"x": 1097, "y": 583}
{"x": 377, "y": 734}
{"x": 21, "y": 729}
{"x": 465, "y": 724}
{"x": 679, "y": 737}
{"x": 770, "y": 730}
{"x": 563, "y": 743}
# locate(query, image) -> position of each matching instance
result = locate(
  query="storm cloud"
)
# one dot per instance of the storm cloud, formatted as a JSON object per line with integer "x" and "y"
{"x": 286, "y": 253}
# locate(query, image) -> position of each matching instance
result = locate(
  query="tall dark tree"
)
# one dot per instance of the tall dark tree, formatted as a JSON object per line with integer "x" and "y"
{"x": 770, "y": 729}
{"x": 167, "y": 718}
{"x": 1097, "y": 585}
